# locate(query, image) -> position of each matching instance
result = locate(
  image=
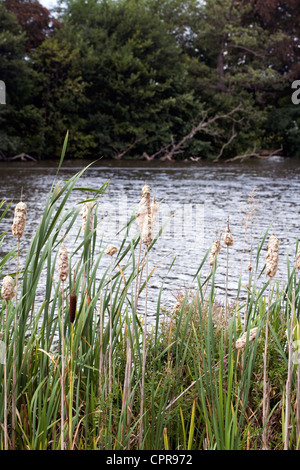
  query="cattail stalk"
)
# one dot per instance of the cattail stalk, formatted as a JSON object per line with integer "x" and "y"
{"x": 101, "y": 343}
{"x": 271, "y": 269}
{"x": 111, "y": 250}
{"x": 147, "y": 217}
{"x": 144, "y": 222}
{"x": 228, "y": 241}
{"x": 298, "y": 366}
{"x": 63, "y": 270}
{"x": 18, "y": 228}
{"x": 7, "y": 293}
{"x": 288, "y": 385}
{"x": 145, "y": 327}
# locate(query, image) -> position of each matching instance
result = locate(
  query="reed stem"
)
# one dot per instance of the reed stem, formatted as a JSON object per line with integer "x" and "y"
{"x": 266, "y": 384}
{"x": 5, "y": 381}
{"x": 14, "y": 381}
{"x": 110, "y": 333}
{"x": 141, "y": 430}
{"x": 288, "y": 387}
{"x": 62, "y": 407}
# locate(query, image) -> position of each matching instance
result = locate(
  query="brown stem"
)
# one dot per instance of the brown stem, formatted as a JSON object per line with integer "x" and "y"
{"x": 62, "y": 370}
{"x": 141, "y": 430}
{"x": 266, "y": 385}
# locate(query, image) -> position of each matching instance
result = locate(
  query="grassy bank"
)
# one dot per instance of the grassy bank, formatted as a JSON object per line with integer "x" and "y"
{"x": 83, "y": 370}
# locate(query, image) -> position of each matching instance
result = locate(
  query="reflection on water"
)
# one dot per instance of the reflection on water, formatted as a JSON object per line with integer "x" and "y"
{"x": 200, "y": 196}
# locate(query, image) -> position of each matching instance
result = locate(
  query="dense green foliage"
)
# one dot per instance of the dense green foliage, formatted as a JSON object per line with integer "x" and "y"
{"x": 152, "y": 78}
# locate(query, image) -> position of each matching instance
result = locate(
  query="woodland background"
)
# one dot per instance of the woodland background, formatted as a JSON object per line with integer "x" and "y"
{"x": 154, "y": 79}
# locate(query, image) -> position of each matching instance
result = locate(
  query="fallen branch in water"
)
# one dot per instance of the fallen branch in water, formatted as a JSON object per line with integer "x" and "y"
{"x": 255, "y": 154}
{"x": 172, "y": 149}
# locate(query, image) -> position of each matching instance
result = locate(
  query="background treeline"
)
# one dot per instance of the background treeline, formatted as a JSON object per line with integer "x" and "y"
{"x": 164, "y": 79}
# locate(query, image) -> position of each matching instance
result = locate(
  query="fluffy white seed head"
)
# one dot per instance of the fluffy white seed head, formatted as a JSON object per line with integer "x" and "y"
{"x": 87, "y": 209}
{"x": 111, "y": 250}
{"x": 272, "y": 256}
{"x": 8, "y": 286}
{"x": 146, "y": 191}
{"x": 63, "y": 263}
{"x": 241, "y": 342}
{"x": 215, "y": 250}
{"x": 228, "y": 238}
{"x": 146, "y": 215}
{"x": 19, "y": 221}
{"x": 146, "y": 233}
{"x": 298, "y": 258}
{"x": 144, "y": 207}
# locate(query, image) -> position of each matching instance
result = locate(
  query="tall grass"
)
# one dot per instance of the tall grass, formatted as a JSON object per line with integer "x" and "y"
{"x": 199, "y": 391}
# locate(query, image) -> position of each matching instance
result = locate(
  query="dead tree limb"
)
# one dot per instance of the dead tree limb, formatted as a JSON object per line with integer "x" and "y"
{"x": 233, "y": 136}
{"x": 23, "y": 157}
{"x": 255, "y": 154}
{"x": 119, "y": 155}
{"x": 203, "y": 126}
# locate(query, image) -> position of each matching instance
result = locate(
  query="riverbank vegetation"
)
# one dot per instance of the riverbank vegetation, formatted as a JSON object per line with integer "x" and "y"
{"x": 82, "y": 369}
{"x": 153, "y": 79}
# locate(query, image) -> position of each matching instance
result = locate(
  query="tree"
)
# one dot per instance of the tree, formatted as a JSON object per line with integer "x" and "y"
{"x": 20, "y": 120}
{"x": 62, "y": 99}
{"x": 135, "y": 74}
{"x": 35, "y": 20}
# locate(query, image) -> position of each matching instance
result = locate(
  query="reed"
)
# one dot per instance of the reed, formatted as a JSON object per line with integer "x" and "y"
{"x": 228, "y": 242}
{"x": 111, "y": 251}
{"x": 271, "y": 269}
{"x": 7, "y": 293}
{"x": 63, "y": 271}
{"x": 18, "y": 228}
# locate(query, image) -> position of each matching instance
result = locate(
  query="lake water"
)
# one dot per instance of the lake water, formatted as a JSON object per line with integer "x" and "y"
{"x": 200, "y": 196}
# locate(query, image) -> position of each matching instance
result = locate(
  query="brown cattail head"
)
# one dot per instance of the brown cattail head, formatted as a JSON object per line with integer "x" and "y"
{"x": 63, "y": 263}
{"x": 241, "y": 342}
{"x": 72, "y": 311}
{"x": 19, "y": 221}
{"x": 111, "y": 250}
{"x": 228, "y": 237}
{"x": 272, "y": 256}
{"x": 215, "y": 250}
{"x": 8, "y": 286}
{"x": 86, "y": 211}
{"x": 298, "y": 258}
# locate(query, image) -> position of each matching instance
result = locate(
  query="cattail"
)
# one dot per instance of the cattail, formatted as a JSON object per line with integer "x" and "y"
{"x": 272, "y": 256}
{"x": 149, "y": 224}
{"x": 241, "y": 342}
{"x": 215, "y": 250}
{"x": 7, "y": 291}
{"x": 19, "y": 221}
{"x": 144, "y": 208}
{"x": 228, "y": 237}
{"x": 111, "y": 250}
{"x": 72, "y": 310}
{"x": 146, "y": 234}
{"x": 87, "y": 209}
{"x": 298, "y": 258}
{"x": 63, "y": 263}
